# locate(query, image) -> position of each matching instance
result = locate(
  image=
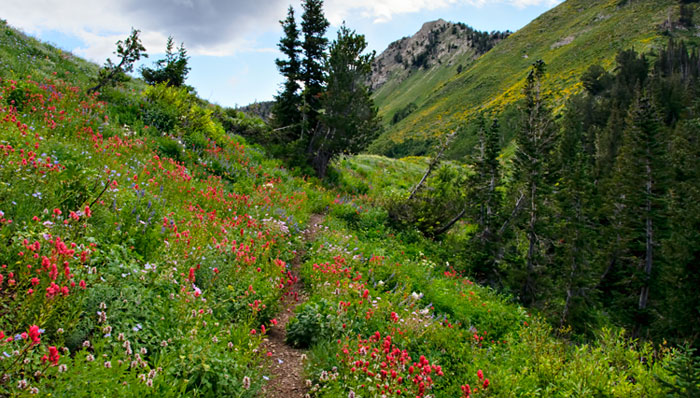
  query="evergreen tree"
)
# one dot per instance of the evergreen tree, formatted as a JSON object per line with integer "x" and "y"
{"x": 535, "y": 141}
{"x": 129, "y": 51}
{"x": 574, "y": 224}
{"x": 313, "y": 26}
{"x": 485, "y": 200}
{"x": 349, "y": 119}
{"x": 171, "y": 70}
{"x": 641, "y": 183}
{"x": 681, "y": 247}
{"x": 608, "y": 142}
{"x": 287, "y": 108}
{"x": 686, "y": 15}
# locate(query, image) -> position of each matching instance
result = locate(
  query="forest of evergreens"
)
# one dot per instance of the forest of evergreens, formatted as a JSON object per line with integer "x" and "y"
{"x": 594, "y": 218}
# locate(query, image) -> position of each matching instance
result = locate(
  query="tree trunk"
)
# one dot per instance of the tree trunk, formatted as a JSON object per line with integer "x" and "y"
{"x": 111, "y": 76}
{"x": 452, "y": 222}
{"x": 513, "y": 214}
{"x": 648, "y": 258}
{"x": 529, "y": 287}
{"x": 433, "y": 162}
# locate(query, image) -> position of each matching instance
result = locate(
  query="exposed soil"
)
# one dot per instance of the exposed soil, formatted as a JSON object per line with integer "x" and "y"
{"x": 287, "y": 364}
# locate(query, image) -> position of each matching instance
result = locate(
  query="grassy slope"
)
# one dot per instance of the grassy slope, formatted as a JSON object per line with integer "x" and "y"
{"x": 22, "y": 55}
{"x": 138, "y": 264}
{"x": 158, "y": 226}
{"x": 418, "y": 86}
{"x": 599, "y": 29}
{"x": 376, "y": 173}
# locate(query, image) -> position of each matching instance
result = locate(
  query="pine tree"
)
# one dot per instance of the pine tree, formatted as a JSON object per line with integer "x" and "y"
{"x": 574, "y": 223}
{"x": 485, "y": 199}
{"x": 171, "y": 70}
{"x": 535, "y": 141}
{"x": 641, "y": 183}
{"x": 287, "y": 108}
{"x": 349, "y": 119}
{"x": 681, "y": 247}
{"x": 313, "y": 26}
{"x": 129, "y": 51}
{"x": 608, "y": 142}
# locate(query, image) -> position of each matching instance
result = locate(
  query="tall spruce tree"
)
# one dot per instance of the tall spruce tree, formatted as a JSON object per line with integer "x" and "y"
{"x": 677, "y": 71}
{"x": 535, "y": 141}
{"x": 349, "y": 121}
{"x": 485, "y": 200}
{"x": 313, "y": 26}
{"x": 681, "y": 247}
{"x": 287, "y": 108}
{"x": 574, "y": 222}
{"x": 641, "y": 183}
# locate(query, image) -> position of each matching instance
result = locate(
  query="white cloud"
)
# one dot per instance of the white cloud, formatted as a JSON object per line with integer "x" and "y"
{"x": 207, "y": 27}
{"x": 380, "y": 11}
{"x": 383, "y": 10}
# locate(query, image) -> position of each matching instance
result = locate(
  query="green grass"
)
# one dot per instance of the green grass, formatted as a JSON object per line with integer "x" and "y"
{"x": 365, "y": 279}
{"x": 22, "y": 55}
{"x": 598, "y": 30}
{"x": 372, "y": 173}
{"x": 396, "y": 94}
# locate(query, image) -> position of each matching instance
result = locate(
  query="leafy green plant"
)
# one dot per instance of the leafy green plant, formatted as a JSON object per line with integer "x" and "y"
{"x": 314, "y": 322}
{"x": 684, "y": 374}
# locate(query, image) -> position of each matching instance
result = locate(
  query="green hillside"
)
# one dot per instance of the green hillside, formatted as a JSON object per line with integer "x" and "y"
{"x": 23, "y": 55}
{"x": 569, "y": 38}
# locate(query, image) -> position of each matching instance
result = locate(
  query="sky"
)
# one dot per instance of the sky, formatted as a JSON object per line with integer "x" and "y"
{"x": 233, "y": 43}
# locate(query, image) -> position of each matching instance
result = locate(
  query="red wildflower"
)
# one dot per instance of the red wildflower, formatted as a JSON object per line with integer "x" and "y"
{"x": 54, "y": 356}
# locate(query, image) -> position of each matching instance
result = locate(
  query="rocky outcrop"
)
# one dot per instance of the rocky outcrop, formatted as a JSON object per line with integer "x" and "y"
{"x": 437, "y": 42}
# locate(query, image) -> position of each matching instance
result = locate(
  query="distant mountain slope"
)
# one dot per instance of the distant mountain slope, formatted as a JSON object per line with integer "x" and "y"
{"x": 569, "y": 38}
{"x": 262, "y": 109}
{"x": 410, "y": 68}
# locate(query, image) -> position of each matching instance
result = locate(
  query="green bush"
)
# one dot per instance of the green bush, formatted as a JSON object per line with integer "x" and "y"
{"x": 314, "y": 322}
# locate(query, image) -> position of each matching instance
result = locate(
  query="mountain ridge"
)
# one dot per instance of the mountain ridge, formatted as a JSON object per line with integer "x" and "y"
{"x": 405, "y": 73}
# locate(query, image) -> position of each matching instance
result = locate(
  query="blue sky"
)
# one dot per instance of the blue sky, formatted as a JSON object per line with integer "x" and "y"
{"x": 232, "y": 43}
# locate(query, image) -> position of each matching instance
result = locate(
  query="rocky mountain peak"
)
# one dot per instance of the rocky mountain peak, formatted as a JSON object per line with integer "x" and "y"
{"x": 437, "y": 42}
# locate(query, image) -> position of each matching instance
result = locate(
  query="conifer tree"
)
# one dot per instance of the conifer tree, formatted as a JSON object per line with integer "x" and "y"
{"x": 128, "y": 51}
{"x": 287, "y": 108}
{"x": 171, "y": 70}
{"x": 484, "y": 199}
{"x": 574, "y": 223}
{"x": 641, "y": 183}
{"x": 313, "y": 26}
{"x": 681, "y": 248}
{"x": 349, "y": 119}
{"x": 535, "y": 141}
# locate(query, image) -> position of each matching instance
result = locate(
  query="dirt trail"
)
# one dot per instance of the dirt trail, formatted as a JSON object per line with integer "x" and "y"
{"x": 287, "y": 366}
